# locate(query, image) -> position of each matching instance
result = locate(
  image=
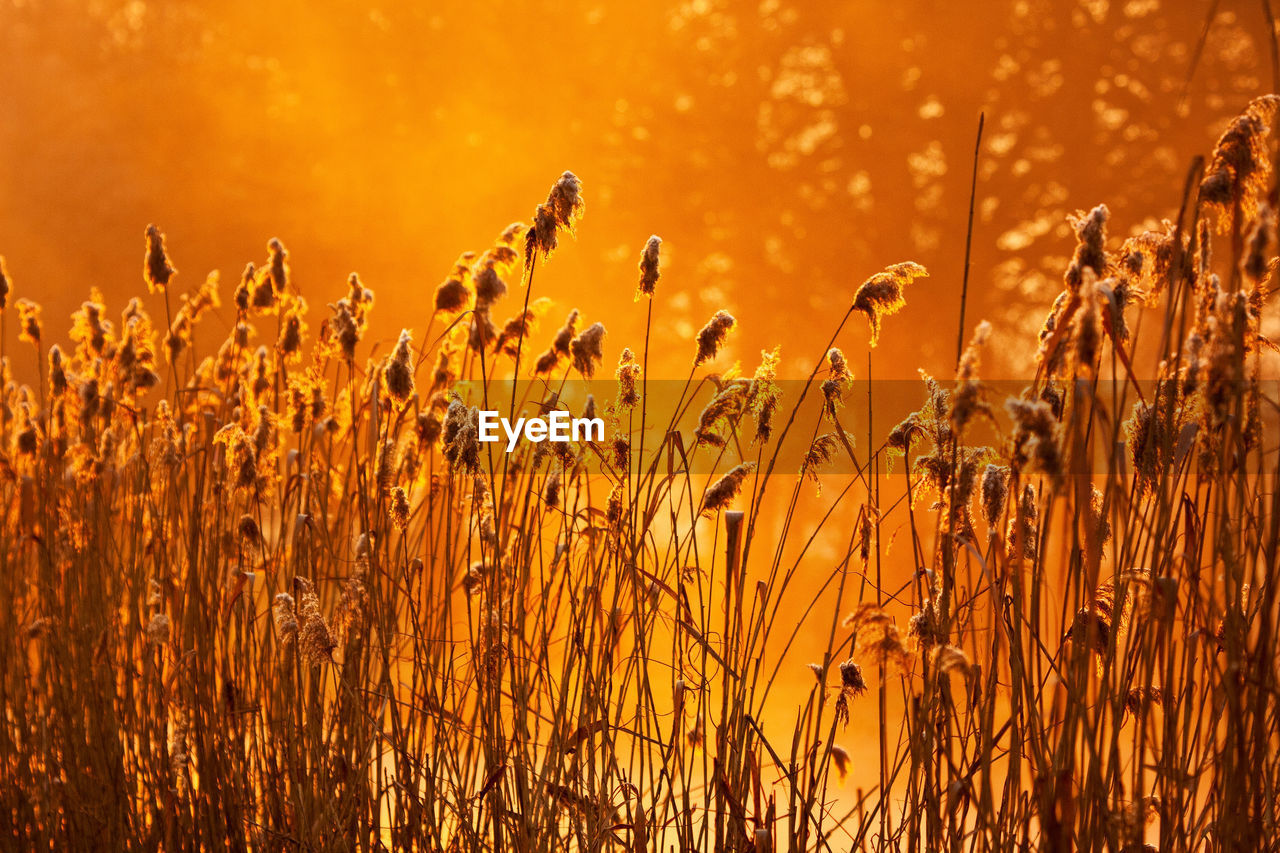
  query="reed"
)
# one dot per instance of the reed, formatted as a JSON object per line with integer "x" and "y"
{"x": 281, "y": 596}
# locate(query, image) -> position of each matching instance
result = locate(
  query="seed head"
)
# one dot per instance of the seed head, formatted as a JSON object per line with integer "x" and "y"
{"x": 278, "y": 267}
{"x": 823, "y": 448}
{"x": 315, "y": 640}
{"x": 628, "y": 373}
{"x": 156, "y": 269}
{"x": 1258, "y": 248}
{"x": 839, "y": 757}
{"x": 712, "y": 336}
{"x": 851, "y": 680}
{"x": 967, "y": 400}
{"x": 1091, "y": 236}
{"x": 1035, "y": 436}
{"x": 722, "y": 492}
{"x": 1241, "y": 165}
{"x": 764, "y": 395}
{"x": 834, "y": 386}
{"x": 293, "y": 330}
{"x": 346, "y": 331}
{"x": 489, "y": 285}
{"x": 397, "y": 375}
{"x": 461, "y": 436}
{"x": 950, "y": 659}
{"x": 28, "y": 321}
{"x": 158, "y": 629}
{"x": 560, "y": 345}
{"x": 453, "y": 294}
{"x": 519, "y": 327}
{"x": 551, "y": 491}
{"x": 926, "y": 625}
{"x": 649, "y": 272}
{"x": 614, "y": 506}
{"x": 399, "y": 509}
{"x": 57, "y": 372}
{"x": 586, "y": 349}
{"x": 248, "y": 529}
{"x": 995, "y": 493}
{"x": 882, "y": 294}
{"x": 876, "y": 638}
{"x": 1088, "y": 323}
{"x": 561, "y": 211}
{"x": 286, "y": 618}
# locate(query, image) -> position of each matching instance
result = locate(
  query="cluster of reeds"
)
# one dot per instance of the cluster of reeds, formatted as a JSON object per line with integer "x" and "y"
{"x": 273, "y": 591}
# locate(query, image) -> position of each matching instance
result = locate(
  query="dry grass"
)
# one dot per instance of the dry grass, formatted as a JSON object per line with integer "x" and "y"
{"x": 280, "y": 595}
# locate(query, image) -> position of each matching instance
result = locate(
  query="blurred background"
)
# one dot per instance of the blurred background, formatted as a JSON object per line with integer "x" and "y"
{"x": 784, "y": 151}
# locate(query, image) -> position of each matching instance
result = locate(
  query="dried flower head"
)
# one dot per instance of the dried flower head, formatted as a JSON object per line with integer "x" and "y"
{"x": 489, "y": 271}
{"x": 1022, "y": 528}
{"x": 452, "y": 296}
{"x": 158, "y": 629}
{"x": 278, "y": 266}
{"x": 901, "y": 436}
{"x": 292, "y": 330}
{"x": 315, "y": 640}
{"x": 28, "y": 321}
{"x": 346, "y": 331}
{"x": 1087, "y": 331}
{"x": 1056, "y": 326}
{"x": 399, "y": 509}
{"x": 764, "y": 395}
{"x": 248, "y": 529}
{"x": 57, "y": 372}
{"x": 721, "y": 414}
{"x": 1035, "y": 437}
{"x": 951, "y": 660}
{"x": 586, "y": 349}
{"x": 722, "y": 492}
{"x": 851, "y": 680}
{"x": 876, "y": 637}
{"x": 461, "y": 436}
{"x": 628, "y": 374}
{"x": 178, "y": 754}
{"x": 551, "y": 490}
{"x": 1241, "y": 166}
{"x": 837, "y": 382}
{"x": 1091, "y": 237}
{"x": 1259, "y": 247}
{"x": 397, "y": 375}
{"x": 649, "y": 267}
{"x": 561, "y": 212}
{"x": 926, "y": 624}
{"x": 823, "y": 449}
{"x": 882, "y": 294}
{"x": 285, "y": 615}
{"x": 156, "y": 269}
{"x": 839, "y": 757}
{"x": 712, "y": 336}
{"x": 967, "y": 401}
{"x": 995, "y": 493}
{"x": 564, "y": 337}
